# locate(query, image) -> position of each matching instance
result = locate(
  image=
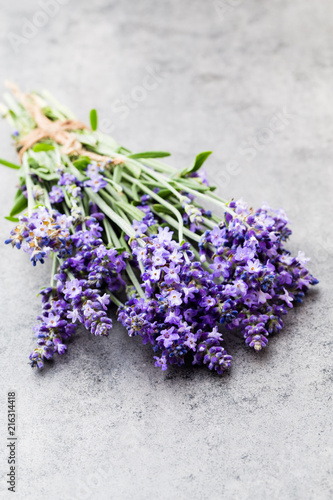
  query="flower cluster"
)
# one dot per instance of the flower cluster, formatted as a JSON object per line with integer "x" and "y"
{"x": 177, "y": 314}
{"x": 251, "y": 283}
{"x": 56, "y": 195}
{"x": 193, "y": 215}
{"x": 260, "y": 278}
{"x": 96, "y": 180}
{"x": 70, "y": 184}
{"x": 42, "y": 232}
{"x": 79, "y": 293}
{"x": 233, "y": 273}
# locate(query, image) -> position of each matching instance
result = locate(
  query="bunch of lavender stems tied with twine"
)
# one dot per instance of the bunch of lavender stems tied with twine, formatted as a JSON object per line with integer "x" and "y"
{"x": 120, "y": 224}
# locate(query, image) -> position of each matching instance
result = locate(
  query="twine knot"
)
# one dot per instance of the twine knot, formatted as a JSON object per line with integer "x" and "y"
{"x": 59, "y": 130}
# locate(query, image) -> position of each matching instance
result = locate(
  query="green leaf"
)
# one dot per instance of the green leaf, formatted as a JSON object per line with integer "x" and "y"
{"x": 12, "y": 219}
{"x": 164, "y": 193}
{"x": 43, "y": 160}
{"x": 108, "y": 144}
{"x": 116, "y": 186}
{"x": 42, "y": 288}
{"x": 194, "y": 183}
{"x": 117, "y": 171}
{"x": 18, "y": 194}
{"x": 20, "y": 204}
{"x": 161, "y": 209}
{"x": 85, "y": 202}
{"x": 82, "y": 162}
{"x": 48, "y": 111}
{"x": 134, "y": 169}
{"x": 42, "y": 146}
{"x": 33, "y": 163}
{"x": 134, "y": 212}
{"x": 120, "y": 250}
{"x": 93, "y": 119}
{"x": 135, "y": 193}
{"x": 198, "y": 162}
{"x": 43, "y": 175}
{"x": 9, "y": 164}
{"x": 88, "y": 139}
{"x": 150, "y": 154}
{"x": 129, "y": 192}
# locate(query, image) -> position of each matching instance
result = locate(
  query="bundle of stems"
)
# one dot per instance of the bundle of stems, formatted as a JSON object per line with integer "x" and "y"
{"x": 112, "y": 221}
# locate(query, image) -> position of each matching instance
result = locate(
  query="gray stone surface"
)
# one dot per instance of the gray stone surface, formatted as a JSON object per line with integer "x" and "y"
{"x": 252, "y": 81}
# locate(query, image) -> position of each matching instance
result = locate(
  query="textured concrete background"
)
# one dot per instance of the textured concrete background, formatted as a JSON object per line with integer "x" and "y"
{"x": 252, "y": 81}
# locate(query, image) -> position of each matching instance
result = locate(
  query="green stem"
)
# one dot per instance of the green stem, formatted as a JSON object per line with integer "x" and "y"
{"x": 158, "y": 165}
{"x": 164, "y": 182}
{"x": 203, "y": 264}
{"x": 46, "y": 198}
{"x": 211, "y": 197}
{"x": 111, "y": 189}
{"x": 54, "y": 268}
{"x": 134, "y": 280}
{"x": 29, "y": 185}
{"x": 209, "y": 223}
{"x": 84, "y": 227}
{"x": 113, "y": 216}
{"x": 70, "y": 275}
{"x": 173, "y": 223}
{"x": 171, "y": 170}
{"x": 110, "y": 234}
{"x": 122, "y": 214}
{"x": 96, "y": 198}
{"x": 115, "y": 300}
{"x": 155, "y": 196}
{"x": 113, "y": 240}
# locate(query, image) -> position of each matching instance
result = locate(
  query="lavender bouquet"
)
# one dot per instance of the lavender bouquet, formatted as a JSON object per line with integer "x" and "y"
{"x": 127, "y": 229}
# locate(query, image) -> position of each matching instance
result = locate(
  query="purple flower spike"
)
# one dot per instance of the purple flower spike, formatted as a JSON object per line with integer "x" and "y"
{"x": 78, "y": 298}
{"x": 181, "y": 300}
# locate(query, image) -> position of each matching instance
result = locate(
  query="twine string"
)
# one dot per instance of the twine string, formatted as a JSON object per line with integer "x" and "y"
{"x": 59, "y": 130}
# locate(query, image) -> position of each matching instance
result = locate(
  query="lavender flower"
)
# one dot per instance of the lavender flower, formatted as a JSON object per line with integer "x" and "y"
{"x": 178, "y": 314}
{"x": 96, "y": 183}
{"x": 237, "y": 275}
{"x": 71, "y": 184}
{"x": 260, "y": 278}
{"x": 44, "y": 231}
{"x": 79, "y": 296}
{"x": 56, "y": 195}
